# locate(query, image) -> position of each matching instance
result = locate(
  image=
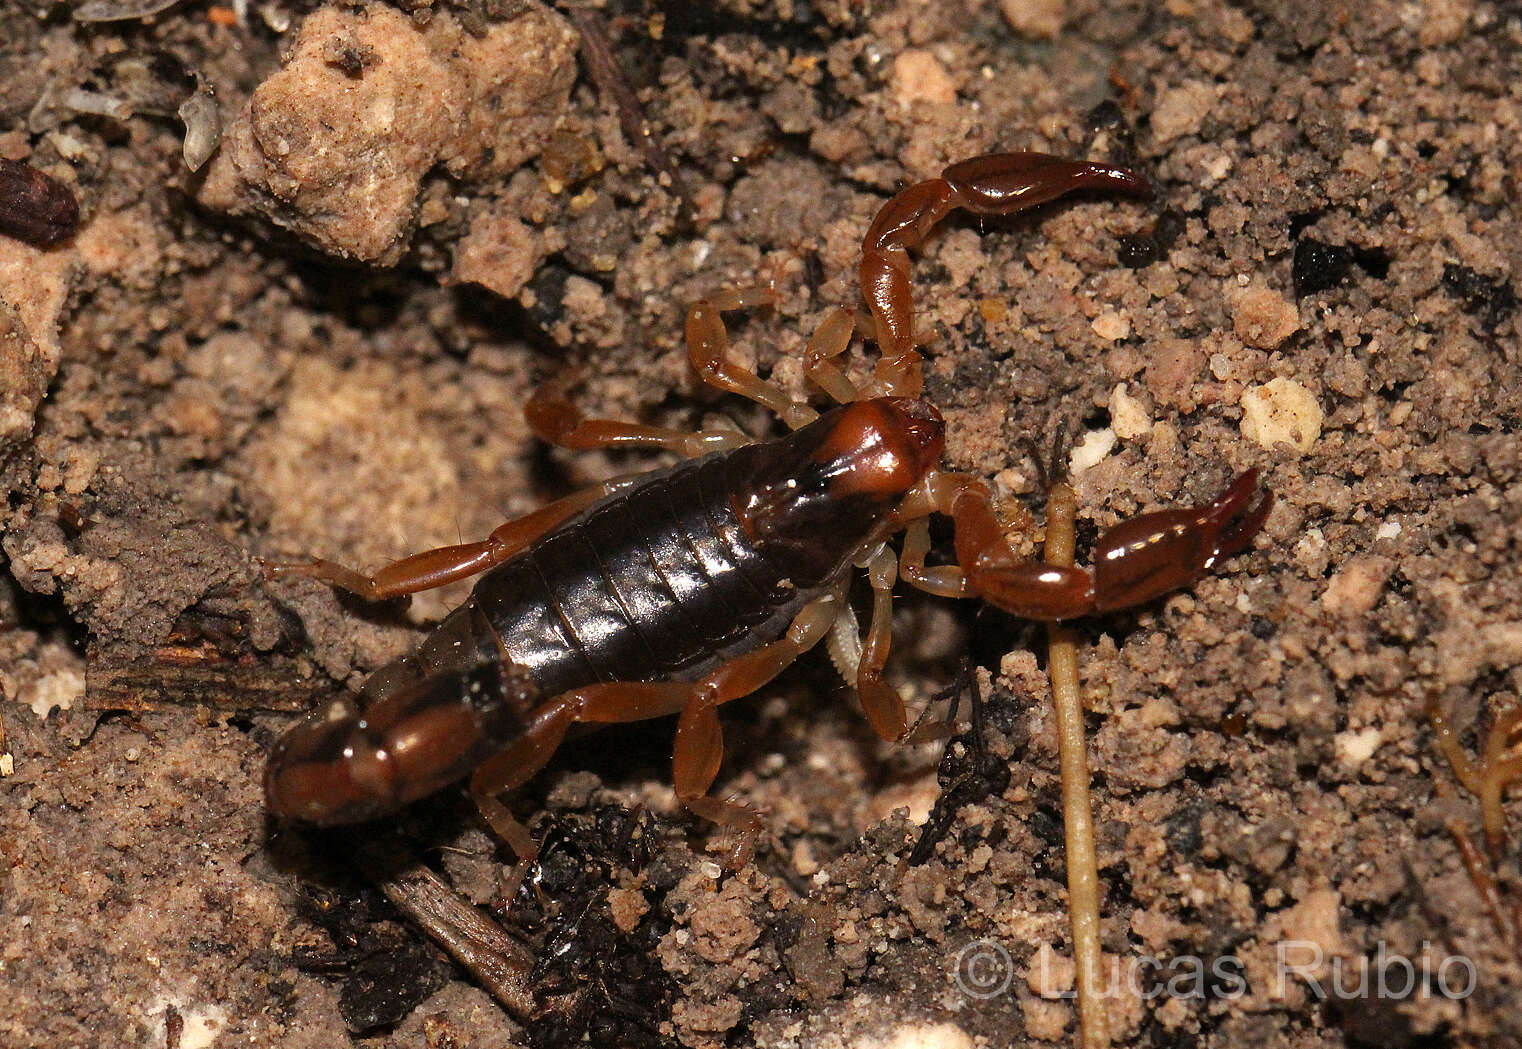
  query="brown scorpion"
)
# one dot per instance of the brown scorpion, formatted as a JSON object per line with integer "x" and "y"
{"x": 680, "y": 590}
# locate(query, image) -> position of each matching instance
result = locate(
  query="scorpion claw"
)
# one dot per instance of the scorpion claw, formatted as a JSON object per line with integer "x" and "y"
{"x": 1237, "y": 516}
{"x": 1134, "y": 562}
{"x": 1156, "y": 553}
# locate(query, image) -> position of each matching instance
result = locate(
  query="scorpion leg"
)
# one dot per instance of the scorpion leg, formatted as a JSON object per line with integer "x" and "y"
{"x": 942, "y": 580}
{"x": 699, "y": 740}
{"x": 555, "y": 420}
{"x": 1137, "y": 560}
{"x": 975, "y": 531}
{"x": 997, "y": 184}
{"x": 708, "y": 349}
{"x": 699, "y": 747}
{"x": 829, "y": 341}
{"x": 883, "y": 705}
{"x": 446, "y": 564}
{"x": 515, "y": 765}
{"x": 950, "y": 580}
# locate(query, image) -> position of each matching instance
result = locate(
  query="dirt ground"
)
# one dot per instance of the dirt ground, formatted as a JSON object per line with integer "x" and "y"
{"x": 320, "y": 342}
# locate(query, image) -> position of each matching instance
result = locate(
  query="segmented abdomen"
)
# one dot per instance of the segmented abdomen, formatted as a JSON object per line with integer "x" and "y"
{"x": 658, "y": 582}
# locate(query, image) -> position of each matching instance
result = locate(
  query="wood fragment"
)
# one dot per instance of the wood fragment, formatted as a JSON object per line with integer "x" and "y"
{"x": 7, "y": 761}
{"x": 182, "y": 676}
{"x": 498, "y": 961}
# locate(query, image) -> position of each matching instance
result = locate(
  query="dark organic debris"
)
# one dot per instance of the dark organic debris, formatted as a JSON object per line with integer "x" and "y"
{"x": 387, "y": 970}
{"x": 1142, "y": 249}
{"x": 383, "y": 987}
{"x": 1109, "y": 118}
{"x": 1491, "y": 299}
{"x": 34, "y": 207}
{"x": 968, "y": 773}
{"x": 1319, "y": 265}
{"x": 602, "y": 985}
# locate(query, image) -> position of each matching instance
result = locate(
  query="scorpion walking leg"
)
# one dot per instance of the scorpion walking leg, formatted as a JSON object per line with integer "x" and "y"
{"x": 514, "y": 766}
{"x": 555, "y": 420}
{"x": 942, "y": 580}
{"x": 998, "y": 184}
{"x": 863, "y": 659}
{"x": 708, "y": 349}
{"x": 1137, "y": 560}
{"x": 446, "y": 564}
{"x": 881, "y": 702}
{"x": 699, "y": 745}
{"x": 830, "y": 340}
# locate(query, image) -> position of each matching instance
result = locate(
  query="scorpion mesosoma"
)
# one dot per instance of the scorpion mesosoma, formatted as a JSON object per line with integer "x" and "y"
{"x": 683, "y": 589}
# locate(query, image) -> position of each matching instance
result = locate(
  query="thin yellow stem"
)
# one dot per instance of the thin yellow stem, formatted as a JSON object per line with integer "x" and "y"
{"x": 1077, "y": 810}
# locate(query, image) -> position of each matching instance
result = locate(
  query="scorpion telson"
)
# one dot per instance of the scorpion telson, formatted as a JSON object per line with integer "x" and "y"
{"x": 678, "y": 591}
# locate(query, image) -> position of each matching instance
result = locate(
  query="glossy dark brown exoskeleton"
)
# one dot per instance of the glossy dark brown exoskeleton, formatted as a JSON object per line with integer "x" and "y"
{"x": 678, "y": 591}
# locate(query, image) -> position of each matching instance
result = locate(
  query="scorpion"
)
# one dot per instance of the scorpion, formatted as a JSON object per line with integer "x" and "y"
{"x": 680, "y": 590}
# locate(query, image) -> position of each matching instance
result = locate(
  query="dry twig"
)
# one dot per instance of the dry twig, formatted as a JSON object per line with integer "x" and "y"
{"x": 1077, "y": 809}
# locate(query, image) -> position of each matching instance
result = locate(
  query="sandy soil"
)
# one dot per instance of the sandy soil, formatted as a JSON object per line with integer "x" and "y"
{"x": 320, "y": 343}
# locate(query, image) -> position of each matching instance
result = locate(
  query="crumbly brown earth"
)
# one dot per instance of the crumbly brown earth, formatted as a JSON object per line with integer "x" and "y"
{"x": 1323, "y": 287}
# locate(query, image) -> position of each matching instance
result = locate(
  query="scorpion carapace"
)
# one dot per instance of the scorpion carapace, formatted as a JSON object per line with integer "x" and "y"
{"x": 678, "y": 591}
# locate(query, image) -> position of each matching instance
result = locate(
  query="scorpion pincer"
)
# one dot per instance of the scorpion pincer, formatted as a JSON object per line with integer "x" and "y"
{"x": 680, "y": 590}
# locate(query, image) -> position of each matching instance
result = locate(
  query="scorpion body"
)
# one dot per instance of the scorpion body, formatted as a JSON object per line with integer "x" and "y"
{"x": 692, "y": 586}
{"x": 667, "y": 579}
